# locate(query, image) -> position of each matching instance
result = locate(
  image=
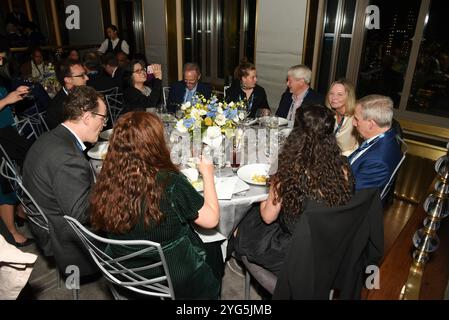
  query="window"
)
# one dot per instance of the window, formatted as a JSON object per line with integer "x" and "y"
{"x": 430, "y": 86}
{"x": 217, "y": 35}
{"x": 387, "y": 50}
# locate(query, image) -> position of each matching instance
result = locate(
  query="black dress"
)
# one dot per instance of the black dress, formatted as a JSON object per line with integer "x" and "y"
{"x": 264, "y": 244}
{"x": 258, "y": 98}
{"x": 135, "y": 100}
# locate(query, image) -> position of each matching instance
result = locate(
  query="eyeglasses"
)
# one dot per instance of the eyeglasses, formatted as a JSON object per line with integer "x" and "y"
{"x": 105, "y": 116}
{"x": 139, "y": 71}
{"x": 79, "y": 76}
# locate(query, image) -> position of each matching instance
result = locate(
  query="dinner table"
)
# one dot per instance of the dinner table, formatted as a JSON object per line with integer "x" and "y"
{"x": 233, "y": 205}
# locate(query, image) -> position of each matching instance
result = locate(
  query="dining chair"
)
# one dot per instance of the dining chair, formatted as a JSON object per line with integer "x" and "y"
{"x": 114, "y": 103}
{"x": 117, "y": 271}
{"x": 389, "y": 187}
{"x": 32, "y": 210}
{"x": 165, "y": 93}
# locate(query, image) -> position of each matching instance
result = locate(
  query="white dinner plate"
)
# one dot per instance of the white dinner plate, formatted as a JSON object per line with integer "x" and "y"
{"x": 249, "y": 172}
{"x": 105, "y": 135}
{"x": 99, "y": 150}
{"x": 281, "y": 121}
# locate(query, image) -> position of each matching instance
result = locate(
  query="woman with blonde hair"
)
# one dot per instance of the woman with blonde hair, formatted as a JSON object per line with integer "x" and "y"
{"x": 341, "y": 99}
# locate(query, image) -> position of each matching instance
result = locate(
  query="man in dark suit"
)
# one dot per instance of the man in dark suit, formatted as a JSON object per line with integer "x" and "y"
{"x": 298, "y": 92}
{"x": 97, "y": 77}
{"x": 112, "y": 71}
{"x": 184, "y": 90}
{"x": 59, "y": 177}
{"x": 70, "y": 74}
{"x": 375, "y": 160}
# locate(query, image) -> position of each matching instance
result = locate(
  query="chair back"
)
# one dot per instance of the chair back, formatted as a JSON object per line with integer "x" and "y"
{"x": 331, "y": 249}
{"x": 224, "y": 91}
{"x": 390, "y": 183}
{"x": 165, "y": 93}
{"x": 114, "y": 269}
{"x": 31, "y": 123}
{"x": 114, "y": 103}
{"x": 31, "y": 208}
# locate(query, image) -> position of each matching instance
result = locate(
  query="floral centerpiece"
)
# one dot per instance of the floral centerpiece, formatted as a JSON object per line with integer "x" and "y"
{"x": 211, "y": 117}
{"x": 49, "y": 80}
{"x": 212, "y": 122}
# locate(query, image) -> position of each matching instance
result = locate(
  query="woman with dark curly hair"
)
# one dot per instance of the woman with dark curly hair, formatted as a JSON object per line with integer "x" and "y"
{"x": 310, "y": 168}
{"x": 141, "y": 195}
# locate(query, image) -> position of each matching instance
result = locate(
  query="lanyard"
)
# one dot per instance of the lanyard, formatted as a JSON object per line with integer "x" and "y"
{"x": 364, "y": 146}
{"x": 250, "y": 101}
{"x": 340, "y": 124}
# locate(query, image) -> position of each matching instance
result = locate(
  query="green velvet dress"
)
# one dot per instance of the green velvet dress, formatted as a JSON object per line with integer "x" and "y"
{"x": 192, "y": 277}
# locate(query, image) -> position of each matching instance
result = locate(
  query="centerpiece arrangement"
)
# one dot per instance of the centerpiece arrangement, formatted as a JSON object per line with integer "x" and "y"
{"x": 212, "y": 120}
{"x": 211, "y": 116}
{"x": 49, "y": 80}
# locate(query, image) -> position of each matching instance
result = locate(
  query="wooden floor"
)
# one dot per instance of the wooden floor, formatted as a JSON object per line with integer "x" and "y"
{"x": 401, "y": 220}
{"x": 411, "y": 189}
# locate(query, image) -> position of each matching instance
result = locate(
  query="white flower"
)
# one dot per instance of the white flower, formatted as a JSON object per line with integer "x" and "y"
{"x": 213, "y": 137}
{"x": 185, "y": 106}
{"x": 241, "y": 115}
{"x": 194, "y": 114}
{"x": 202, "y": 112}
{"x": 213, "y": 132}
{"x": 231, "y": 104}
{"x": 220, "y": 110}
{"x": 220, "y": 120}
{"x": 236, "y": 119}
{"x": 180, "y": 126}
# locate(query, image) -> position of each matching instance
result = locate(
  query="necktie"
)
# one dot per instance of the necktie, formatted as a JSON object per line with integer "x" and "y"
{"x": 189, "y": 96}
{"x": 362, "y": 147}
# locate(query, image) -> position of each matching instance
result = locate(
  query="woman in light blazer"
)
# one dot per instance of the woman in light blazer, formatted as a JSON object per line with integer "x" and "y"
{"x": 341, "y": 99}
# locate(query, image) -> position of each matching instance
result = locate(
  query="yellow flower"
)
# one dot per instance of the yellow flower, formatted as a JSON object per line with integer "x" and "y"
{"x": 208, "y": 121}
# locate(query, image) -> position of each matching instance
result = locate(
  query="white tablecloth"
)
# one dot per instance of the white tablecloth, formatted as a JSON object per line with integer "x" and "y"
{"x": 231, "y": 213}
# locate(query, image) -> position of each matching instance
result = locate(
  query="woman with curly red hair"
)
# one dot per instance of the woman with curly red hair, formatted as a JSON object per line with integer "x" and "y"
{"x": 310, "y": 168}
{"x": 141, "y": 195}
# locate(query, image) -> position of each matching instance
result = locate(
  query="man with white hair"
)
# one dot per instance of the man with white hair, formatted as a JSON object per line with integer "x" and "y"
{"x": 298, "y": 92}
{"x": 375, "y": 160}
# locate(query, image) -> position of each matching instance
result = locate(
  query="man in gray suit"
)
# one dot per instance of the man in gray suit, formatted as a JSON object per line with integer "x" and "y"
{"x": 59, "y": 177}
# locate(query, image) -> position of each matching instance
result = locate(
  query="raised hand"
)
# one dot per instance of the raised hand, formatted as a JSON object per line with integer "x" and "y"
{"x": 157, "y": 71}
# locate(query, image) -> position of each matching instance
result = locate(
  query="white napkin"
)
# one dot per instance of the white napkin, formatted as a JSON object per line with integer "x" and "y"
{"x": 191, "y": 174}
{"x": 240, "y": 186}
{"x": 227, "y": 186}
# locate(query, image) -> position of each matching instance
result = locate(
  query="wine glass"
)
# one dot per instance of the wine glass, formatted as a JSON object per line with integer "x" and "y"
{"x": 263, "y": 112}
{"x": 30, "y": 84}
{"x": 179, "y": 114}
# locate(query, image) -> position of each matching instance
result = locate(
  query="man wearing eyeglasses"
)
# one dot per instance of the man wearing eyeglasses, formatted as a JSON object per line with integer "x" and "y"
{"x": 184, "y": 90}
{"x": 59, "y": 177}
{"x": 70, "y": 74}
